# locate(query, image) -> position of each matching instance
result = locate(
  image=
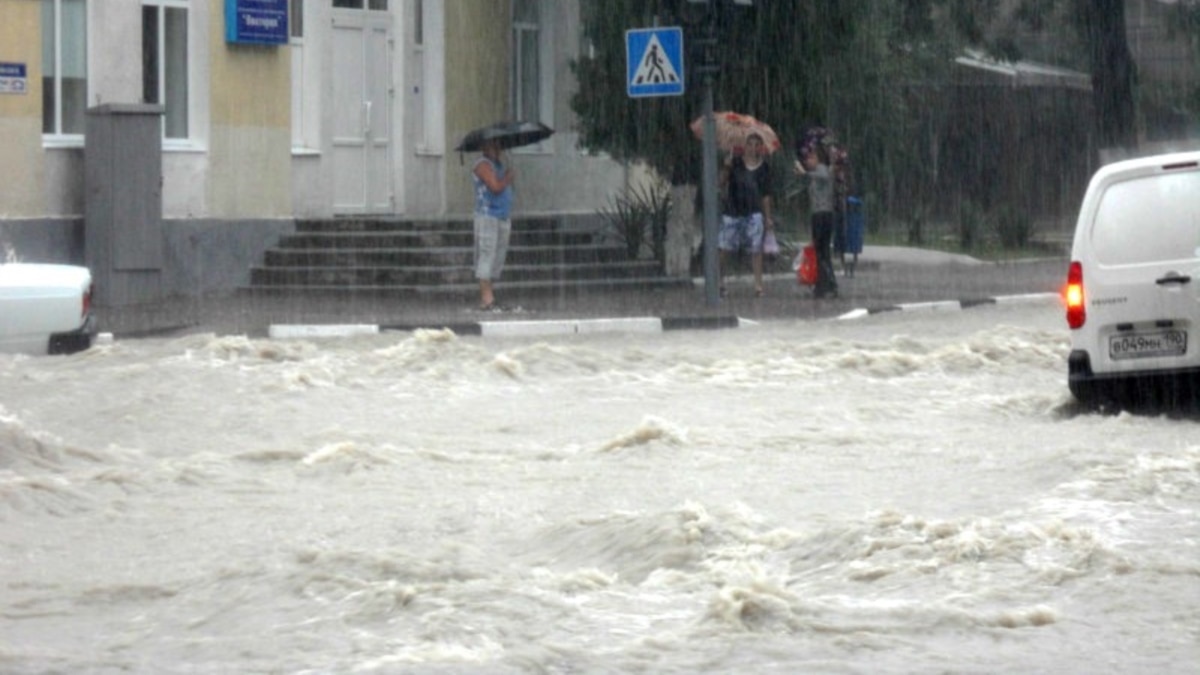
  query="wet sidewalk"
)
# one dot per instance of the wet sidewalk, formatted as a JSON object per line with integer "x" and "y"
{"x": 885, "y": 276}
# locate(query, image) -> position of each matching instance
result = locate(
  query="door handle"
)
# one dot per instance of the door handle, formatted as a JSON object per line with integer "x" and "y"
{"x": 1173, "y": 278}
{"x": 367, "y": 118}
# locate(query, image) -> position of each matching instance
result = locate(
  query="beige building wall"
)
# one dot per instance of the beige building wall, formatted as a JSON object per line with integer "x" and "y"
{"x": 555, "y": 178}
{"x": 249, "y": 142}
{"x": 477, "y": 35}
{"x": 564, "y": 180}
{"x": 22, "y": 160}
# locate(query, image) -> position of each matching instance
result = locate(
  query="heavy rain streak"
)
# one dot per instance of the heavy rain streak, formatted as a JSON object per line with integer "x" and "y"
{"x": 896, "y": 494}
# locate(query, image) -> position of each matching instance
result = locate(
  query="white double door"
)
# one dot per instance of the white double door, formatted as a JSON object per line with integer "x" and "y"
{"x": 363, "y": 112}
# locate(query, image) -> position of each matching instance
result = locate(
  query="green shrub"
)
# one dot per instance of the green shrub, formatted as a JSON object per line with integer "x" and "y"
{"x": 971, "y": 222}
{"x": 873, "y": 213}
{"x": 1014, "y": 227}
{"x": 916, "y": 226}
{"x": 640, "y": 217}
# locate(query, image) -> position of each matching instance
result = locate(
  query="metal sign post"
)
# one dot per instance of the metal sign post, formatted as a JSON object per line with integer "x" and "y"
{"x": 712, "y": 230}
{"x": 712, "y": 281}
{"x": 650, "y": 55}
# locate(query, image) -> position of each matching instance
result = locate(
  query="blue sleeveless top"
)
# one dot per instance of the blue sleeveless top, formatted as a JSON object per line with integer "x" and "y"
{"x": 488, "y": 203}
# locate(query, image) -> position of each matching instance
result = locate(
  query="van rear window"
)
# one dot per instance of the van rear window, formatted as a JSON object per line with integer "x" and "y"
{"x": 1150, "y": 219}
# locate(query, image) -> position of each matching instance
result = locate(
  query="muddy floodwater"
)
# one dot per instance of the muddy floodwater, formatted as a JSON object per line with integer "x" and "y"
{"x": 903, "y": 493}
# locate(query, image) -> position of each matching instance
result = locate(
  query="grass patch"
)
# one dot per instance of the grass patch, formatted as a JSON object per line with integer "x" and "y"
{"x": 938, "y": 237}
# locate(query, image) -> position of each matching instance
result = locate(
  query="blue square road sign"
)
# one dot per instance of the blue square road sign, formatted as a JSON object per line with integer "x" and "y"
{"x": 654, "y": 62}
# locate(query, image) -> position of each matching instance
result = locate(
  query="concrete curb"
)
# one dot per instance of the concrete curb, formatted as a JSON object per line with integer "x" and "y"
{"x": 518, "y": 328}
{"x": 648, "y": 324}
{"x": 951, "y": 305}
{"x": 320, "y": 330}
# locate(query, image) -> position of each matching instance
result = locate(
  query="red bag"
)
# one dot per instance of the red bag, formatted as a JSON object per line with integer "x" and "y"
{"x": 806, "y": 271}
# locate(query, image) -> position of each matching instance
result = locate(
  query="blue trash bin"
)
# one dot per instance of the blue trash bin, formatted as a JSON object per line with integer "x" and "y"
{"x": 855, "y": 225}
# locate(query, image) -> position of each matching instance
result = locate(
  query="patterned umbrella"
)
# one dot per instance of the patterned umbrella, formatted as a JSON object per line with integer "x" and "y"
{"x": 733, "y": 129}
{"x": 811, "y": 136}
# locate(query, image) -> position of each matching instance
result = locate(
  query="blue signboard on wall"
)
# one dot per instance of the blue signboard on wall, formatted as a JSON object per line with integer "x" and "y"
{"x": 13, "y": 78}
{"x": 256, "y": 22}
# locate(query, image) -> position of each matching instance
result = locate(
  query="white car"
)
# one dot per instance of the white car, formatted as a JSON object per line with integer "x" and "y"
{"x": 45, "y": 309}
{"x": 1133, "y": 286}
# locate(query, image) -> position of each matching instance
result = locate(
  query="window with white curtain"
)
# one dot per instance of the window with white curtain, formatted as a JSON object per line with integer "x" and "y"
{"x": 64, "y": 67}
{"x": 304, "y": 108}
{"x": 428, "y": 76}
{"x": 526, "y": 60}
{"x": 165, "y": 62}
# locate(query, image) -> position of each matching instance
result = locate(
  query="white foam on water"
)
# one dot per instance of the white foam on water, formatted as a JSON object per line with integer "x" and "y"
{"x": 881, "y": 496}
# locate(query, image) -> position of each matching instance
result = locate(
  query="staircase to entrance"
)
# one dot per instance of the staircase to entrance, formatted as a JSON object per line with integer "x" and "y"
{"x": 410, "y": 256}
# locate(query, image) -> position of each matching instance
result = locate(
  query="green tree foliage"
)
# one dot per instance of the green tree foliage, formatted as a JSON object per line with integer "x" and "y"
{"x": 879, "y": 73}
{"x": 1100, "y": 47}
{"x": 1103, "y": 24}
{"x": 851, "y": 66}
{"x": 791, "y": 63}
{"x": 1184, "y": 25}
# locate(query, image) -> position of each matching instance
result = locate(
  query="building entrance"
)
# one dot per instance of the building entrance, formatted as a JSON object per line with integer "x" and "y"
{"x": 362, "y": 109}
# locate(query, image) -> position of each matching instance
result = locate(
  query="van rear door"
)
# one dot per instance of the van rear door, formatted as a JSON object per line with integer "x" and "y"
{"x": 1144, "y": 286}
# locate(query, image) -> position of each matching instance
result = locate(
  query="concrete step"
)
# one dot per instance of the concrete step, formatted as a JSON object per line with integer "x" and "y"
{"x": 470, "y": 290}
{"x": 413, "y": 275}
{"x": 436, "y": 255}
{"x": 368, "y": 224}
{"x": 453, "y": 237}
{"x": 390, "y": 255}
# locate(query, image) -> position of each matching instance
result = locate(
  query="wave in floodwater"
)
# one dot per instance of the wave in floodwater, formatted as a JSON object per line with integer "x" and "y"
{"x": 802, "y": 498}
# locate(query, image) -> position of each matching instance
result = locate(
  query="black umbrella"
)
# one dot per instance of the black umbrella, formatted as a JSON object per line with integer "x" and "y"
{"x": 508, "y": 134}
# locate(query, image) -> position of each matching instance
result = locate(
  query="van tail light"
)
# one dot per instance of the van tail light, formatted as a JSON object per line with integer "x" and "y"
{"x": 87, "y": 301}
{"x": 1073, "y": 294}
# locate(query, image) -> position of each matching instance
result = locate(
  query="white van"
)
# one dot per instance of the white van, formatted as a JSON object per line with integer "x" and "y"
{"x": 1133, "y": 286}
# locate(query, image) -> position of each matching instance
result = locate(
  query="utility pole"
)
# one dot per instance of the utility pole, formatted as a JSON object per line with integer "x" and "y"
{"x": 708, "y": 69}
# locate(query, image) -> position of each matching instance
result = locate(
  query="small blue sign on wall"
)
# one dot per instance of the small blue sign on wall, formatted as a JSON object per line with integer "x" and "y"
{"x": 256, "y": 22}
{"x": 13, "y": 79}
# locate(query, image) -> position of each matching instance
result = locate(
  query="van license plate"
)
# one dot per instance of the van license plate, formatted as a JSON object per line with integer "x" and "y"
{"x": 1145, "y": 345}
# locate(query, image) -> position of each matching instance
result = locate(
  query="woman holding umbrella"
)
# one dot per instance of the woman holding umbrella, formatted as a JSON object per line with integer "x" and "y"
{"x": 493, "y": 204}
{"x": 493, "y": 181}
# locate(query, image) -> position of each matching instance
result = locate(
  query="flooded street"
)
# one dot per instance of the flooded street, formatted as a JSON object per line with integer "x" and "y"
{"x": 569, "y": 336}
{"x": 899, "y": 494}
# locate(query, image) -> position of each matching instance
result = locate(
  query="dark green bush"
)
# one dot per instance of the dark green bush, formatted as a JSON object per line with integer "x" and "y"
{"x": 1014, "y": 227}
{"x": 640, "y": 217}
{"x": 971, "y": 222}
{"x": 916, "y": 227}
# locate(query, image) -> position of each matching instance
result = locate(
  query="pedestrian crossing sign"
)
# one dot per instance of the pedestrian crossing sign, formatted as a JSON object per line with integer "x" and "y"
{"x": 654, "y": 61}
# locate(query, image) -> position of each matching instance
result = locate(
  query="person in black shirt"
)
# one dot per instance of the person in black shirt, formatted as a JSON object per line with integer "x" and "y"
{"x": 746, "y": 215}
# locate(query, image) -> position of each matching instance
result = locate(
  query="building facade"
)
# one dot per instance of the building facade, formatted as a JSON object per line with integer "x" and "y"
{"x": 332, "y": 108}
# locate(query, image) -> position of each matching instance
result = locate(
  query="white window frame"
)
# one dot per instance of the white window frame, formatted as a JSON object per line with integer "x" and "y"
{"x": 306, "y": 127}
{"x": 545, "y": 72}
{"x": 56, "y": 137}
{"x": 429, "y": 76}
{"x": 186, "y": 140}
